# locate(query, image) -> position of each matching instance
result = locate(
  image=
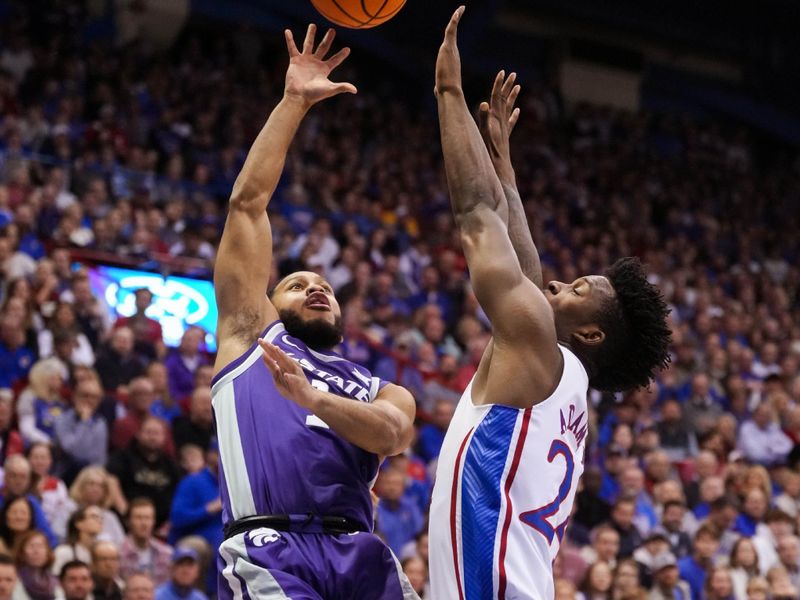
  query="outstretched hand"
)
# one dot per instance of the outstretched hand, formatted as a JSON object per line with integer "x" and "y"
{"x": 498, "y": 117}
{"x": 288, "y": 375}
{"x": 448, "y": 61}
{"x": 307, "y": 75}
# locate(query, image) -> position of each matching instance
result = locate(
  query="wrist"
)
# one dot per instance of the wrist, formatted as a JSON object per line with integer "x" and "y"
{"x": 317, "y": 401}
{"x": 296, "y": 102}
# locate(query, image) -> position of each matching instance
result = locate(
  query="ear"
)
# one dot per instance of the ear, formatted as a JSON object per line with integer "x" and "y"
{"x": 589, "y": 335}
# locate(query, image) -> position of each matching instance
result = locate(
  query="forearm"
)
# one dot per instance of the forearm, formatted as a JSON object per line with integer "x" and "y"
{"x": 378, "y": 428}
{"x": 264, "y": 164}
{"x": 520, "y": 233}
{"x": 471, "y": 177}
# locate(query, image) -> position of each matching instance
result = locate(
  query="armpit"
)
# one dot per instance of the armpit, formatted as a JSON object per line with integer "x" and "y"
{"x": 245, "y": 325}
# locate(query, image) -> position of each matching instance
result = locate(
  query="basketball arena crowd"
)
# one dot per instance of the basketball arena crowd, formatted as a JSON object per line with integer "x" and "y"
{"x": 109, "y": 461}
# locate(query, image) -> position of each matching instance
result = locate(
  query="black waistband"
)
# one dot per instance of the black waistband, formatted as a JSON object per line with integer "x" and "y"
{"x": 308, "y": 523}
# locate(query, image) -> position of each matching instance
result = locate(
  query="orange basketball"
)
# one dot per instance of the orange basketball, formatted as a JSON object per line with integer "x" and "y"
{"x": 358, "y": 14}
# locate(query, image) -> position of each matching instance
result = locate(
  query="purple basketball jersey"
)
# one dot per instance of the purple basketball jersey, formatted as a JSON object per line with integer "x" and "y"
{"x": 279, "y": 458}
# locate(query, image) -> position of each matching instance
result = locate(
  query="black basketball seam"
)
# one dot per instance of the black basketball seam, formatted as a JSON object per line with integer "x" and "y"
{"x": 385, "y": 17}
{"x": 378, "y": 12}
{"x": 347, "y": 14}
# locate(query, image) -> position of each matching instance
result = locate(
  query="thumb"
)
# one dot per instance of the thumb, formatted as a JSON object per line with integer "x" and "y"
{"x": 345, "y": 88}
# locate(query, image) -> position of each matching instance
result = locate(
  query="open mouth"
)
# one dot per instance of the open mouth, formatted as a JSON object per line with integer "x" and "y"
{"x": 318, "y": 301}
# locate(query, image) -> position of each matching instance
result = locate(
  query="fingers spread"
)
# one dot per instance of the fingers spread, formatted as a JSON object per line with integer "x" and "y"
{"x": 509, "y": 84}
{"x": 337, "y": 59}
{"x": 308, "y": 44}
{"x": 512, "y": 120}
{"x": 497, "y": 86}
{"x": 325, "y": 44}
{"x": 512, "y": 97}
{"x": 292, "y": 47}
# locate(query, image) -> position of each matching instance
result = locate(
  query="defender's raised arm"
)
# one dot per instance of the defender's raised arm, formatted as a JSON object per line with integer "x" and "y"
{"x": 519, "y": 313}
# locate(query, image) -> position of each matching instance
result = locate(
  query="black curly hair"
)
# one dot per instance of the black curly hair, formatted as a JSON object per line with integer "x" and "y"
{"x": 637, "y": 337}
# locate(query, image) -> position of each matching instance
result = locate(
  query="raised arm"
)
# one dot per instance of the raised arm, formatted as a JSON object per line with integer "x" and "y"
{"x": 244, "y": 260}
{"x": 497, "y": 118}
{"x": 520, "y": 315}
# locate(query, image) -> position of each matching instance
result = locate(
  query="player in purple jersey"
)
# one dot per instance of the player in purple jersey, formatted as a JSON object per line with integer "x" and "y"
{"x": 301, "y": 430}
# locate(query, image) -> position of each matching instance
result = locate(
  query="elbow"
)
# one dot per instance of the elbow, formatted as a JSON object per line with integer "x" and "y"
{"x": 246, "y": 200}
{"x": 396, "y": 440}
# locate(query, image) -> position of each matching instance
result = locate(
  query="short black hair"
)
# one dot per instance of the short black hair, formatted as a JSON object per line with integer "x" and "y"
{"x": 637, "y": 337}
{"x": 73, "y": 564}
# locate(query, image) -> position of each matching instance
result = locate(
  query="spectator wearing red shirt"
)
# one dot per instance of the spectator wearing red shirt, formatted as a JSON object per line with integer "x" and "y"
{"x": 147, "y": 334}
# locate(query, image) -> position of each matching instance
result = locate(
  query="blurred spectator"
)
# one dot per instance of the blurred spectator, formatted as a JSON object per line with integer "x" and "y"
{"x": 626, "y": 582}
{"x": 34, "y": 559}
{"x": 417, "y": 572}
{"x": 140, "y": 401}
{"x": 90, "y": 312}
{"x": 761, "y": 439}
{"x": 84, "y": 525}
{"x": 789, "y": 555}
{"x": 10, "y": 439}
{"x": 743, "y": 564}
{"x": 117, "y": 363}
{"x": 431, "y": 436}
{"x": 398, "y": 518}
{"x": 81, "y": 434}
{"x": 16, "y": 359}
{"x": 719, "y": 585}
{"x": 695, "y": 568}
{"x": 183, "y": 362}
{"x": 198, "y": 426}
{"x": 148, "y": 339}
{"x": 139, "y": 586}
{"x": 667, "y": 582}
{"x": 197, "y": 508}
{"x": 63, "y": 325}
{"x": 605, "y": 545}
{"x": 672, "y": 520}
{"x": 41, "y": 403}
{"x": 677, "y": 440}
{"x": 165, "y": 406}
{"x": 622, "y": 519}
{"x": 95, "y": 487}
{"x": 10, "y": 586}
{"x": 50, "y": 491}
{"x": 184, "y": 573}
{"x": 76, "y": 580}
{"x": 145, "y": 469}
{"x": 18, "y": 484}
{"x": 16, "y": 519}
{"x": 106, "y": 572}
{"x": 597, "y": 582}
{"x": 140, "y": 552}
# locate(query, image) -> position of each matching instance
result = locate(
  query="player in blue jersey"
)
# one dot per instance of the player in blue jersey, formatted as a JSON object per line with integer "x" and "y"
{"x": 301, "y": 430}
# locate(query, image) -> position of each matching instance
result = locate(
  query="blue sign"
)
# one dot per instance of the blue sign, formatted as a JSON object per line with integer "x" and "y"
{"x": 178, "y": 302}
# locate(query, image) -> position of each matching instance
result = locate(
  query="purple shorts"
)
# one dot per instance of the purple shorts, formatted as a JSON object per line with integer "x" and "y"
{"x": 264, "y": 564}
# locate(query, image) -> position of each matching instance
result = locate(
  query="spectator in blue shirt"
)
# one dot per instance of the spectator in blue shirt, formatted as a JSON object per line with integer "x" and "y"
{"x": 185, "y": 571}
{"x": 399, "y": 518}
{"x": 693, "y": 569}
{"x": 431, "y": 436}
{"x": 15, "y": 358}
{"x": 197, "y": 509}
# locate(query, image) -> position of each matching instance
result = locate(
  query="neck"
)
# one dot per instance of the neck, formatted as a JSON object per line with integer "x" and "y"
{"x": 86, "y": 539}
{"x": 140, "y": 542}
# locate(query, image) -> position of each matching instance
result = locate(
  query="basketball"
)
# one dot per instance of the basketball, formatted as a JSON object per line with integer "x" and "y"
{"x": 358, "y": 14}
